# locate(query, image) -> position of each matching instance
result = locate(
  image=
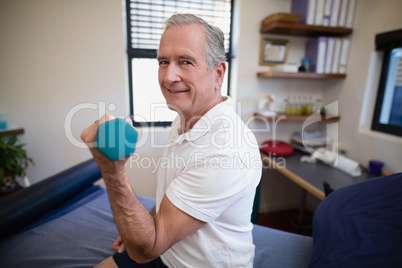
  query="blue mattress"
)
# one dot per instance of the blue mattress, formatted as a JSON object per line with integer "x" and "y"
{"x": 80, "y": 233}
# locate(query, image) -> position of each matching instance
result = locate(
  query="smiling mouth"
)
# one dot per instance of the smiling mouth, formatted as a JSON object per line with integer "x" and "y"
{"x": 177, "y": 91}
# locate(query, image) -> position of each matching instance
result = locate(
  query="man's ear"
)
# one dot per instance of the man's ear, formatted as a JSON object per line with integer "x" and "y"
{"x": 219, "y": 74}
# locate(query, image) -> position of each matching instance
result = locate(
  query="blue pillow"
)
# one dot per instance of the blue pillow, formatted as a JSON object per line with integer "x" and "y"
{"x": 360, "y": 225}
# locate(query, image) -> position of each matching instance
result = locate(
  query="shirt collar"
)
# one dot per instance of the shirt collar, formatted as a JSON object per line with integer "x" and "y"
{"x": 203, "y": 125}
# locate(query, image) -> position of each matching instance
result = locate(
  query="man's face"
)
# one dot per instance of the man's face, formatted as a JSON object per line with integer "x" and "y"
{"x": 184, "y": 78}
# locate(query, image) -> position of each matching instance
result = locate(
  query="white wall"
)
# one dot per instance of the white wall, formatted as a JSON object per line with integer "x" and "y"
{"x": 372, "y": 17}
{"x": 56, "y": 56}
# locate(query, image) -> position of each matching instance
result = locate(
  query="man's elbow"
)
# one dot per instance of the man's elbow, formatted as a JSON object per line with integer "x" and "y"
{"x": 141, "y": 255}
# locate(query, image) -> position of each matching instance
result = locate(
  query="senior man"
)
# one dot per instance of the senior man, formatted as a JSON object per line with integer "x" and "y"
{"x": 203, "y": 201}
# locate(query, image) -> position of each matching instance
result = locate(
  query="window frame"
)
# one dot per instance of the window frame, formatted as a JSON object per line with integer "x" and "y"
{"x": 133, "y": 53}
{"x": 385, "y": 42}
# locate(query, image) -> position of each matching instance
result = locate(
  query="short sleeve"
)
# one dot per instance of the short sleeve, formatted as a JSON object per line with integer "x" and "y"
{"x": 206, "y": 187}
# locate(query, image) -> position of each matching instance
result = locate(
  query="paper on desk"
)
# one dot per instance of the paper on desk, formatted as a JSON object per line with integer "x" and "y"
{"x": 349, "y": 166}
{"x": 340, "y": 162}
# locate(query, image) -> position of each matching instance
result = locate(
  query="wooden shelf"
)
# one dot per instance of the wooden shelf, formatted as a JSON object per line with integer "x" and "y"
{"x": 11, "y": 132}
{"x": 300, "y": 75}
{"x": 297, "y": 29}
{"x": 295, "y": 118}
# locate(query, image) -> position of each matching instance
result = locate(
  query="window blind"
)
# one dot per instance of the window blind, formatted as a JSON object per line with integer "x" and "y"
{"x": 146, "y": 19}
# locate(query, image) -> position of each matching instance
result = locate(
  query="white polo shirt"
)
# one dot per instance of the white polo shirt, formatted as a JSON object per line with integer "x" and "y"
{"x": 211, "y": 173}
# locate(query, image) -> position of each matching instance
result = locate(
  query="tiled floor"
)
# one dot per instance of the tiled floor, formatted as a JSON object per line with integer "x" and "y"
{"x": 287, "y": 221}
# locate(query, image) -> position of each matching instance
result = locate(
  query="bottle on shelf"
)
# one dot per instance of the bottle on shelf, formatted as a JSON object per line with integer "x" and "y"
{"x": 298, "y": 106}
{"x": 301, "y": 105}
{"x": 317, "y": 105}
{"x": 309, "y": 106}
{"x": 288, "y": 108}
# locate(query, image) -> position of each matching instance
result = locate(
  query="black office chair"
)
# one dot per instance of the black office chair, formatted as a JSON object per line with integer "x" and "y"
{"x": 327, "y": 188}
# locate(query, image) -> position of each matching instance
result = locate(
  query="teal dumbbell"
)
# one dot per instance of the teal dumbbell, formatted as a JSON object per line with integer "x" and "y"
{"x": 116, "y": 139}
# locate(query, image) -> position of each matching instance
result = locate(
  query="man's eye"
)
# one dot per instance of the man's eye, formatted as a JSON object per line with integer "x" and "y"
{"x": 186, "y": 62}
{"x": 162, "y": 62}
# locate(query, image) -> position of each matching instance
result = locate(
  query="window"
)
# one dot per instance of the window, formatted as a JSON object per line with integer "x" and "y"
{"x": 144, "y": 27}
{"x": 388, "y": 109}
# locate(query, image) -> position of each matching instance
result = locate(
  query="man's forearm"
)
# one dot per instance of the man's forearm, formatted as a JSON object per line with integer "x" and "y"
{"x": 135, "y": 224}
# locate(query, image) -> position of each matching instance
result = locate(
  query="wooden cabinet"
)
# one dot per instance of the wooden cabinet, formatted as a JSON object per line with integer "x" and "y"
{"x": 302, "y": 30}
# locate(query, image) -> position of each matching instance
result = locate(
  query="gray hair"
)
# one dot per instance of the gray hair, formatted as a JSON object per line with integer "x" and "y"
{"x": 214, "y": 49}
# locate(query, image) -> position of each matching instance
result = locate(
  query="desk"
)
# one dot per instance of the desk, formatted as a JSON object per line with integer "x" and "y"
{"x": 310, "y": 177}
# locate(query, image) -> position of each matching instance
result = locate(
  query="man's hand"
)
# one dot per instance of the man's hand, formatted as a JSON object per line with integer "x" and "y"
{"x": 118, "y": 245}
{"x": 88, "y": 134}
{"x": 106, "y": 166}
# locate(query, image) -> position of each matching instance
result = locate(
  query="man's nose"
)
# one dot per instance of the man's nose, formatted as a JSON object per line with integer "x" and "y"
{"x": 172, "y": 73}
